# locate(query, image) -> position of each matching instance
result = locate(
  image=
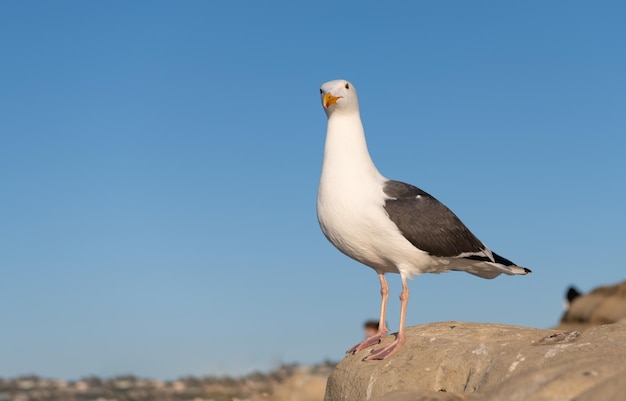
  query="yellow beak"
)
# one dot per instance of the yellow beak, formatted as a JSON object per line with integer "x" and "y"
{"x": 329, "y": 99}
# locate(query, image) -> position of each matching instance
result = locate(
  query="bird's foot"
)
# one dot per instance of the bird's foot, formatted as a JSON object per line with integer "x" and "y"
{"x": 368, "y": 342}
{"x": 385, "y": 351}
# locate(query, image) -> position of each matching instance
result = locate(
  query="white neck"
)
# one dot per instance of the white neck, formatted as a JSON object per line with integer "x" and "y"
{"x": 346, "y": 158}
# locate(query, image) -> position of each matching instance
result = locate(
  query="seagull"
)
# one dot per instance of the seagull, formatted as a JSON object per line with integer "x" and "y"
{"x": 388, "y": 225}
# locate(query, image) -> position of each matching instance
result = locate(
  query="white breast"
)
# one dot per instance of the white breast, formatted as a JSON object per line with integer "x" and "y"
{"x": 350, "y": 205}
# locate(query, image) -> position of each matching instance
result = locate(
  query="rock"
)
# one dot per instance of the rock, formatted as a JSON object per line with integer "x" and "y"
{"x": 603, "y": 305}
{"x": 421, "y": 395}
{"x": 454, "y": 361}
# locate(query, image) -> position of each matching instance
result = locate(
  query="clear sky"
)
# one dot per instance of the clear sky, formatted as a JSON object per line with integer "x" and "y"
{"x": 159, "y": 164}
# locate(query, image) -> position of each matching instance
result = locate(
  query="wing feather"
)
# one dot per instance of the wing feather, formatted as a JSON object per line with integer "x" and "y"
{"x": 428, "y": 224}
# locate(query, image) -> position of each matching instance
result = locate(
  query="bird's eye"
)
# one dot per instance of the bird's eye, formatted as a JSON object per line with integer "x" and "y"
{"x": 347, "y": 85}
{"x": 321, "y": 91}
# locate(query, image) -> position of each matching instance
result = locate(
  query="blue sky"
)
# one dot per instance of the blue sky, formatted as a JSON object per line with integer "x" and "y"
{"x": 159, "y": 164}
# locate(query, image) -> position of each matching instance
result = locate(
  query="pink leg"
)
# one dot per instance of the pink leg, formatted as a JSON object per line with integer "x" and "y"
{"x": 382, "y": 325}
{"x": 389, "y": 349}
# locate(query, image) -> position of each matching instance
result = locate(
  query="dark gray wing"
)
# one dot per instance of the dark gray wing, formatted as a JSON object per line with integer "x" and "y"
{"x": 427, "y": 223}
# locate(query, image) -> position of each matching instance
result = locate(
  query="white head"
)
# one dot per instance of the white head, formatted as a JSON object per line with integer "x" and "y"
{"x": 339, "y": 96}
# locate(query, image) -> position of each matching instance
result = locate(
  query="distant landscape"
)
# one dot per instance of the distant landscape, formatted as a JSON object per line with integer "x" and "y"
{"x": 255, "y": 386}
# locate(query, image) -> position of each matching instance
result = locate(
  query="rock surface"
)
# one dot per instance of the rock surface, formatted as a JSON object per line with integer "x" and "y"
{"x": 603, "y": 305}
{"x": 453, "y": 361}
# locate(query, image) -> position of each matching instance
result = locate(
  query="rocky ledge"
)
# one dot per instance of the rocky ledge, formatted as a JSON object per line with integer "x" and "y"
{"x": 487, "y": 362}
